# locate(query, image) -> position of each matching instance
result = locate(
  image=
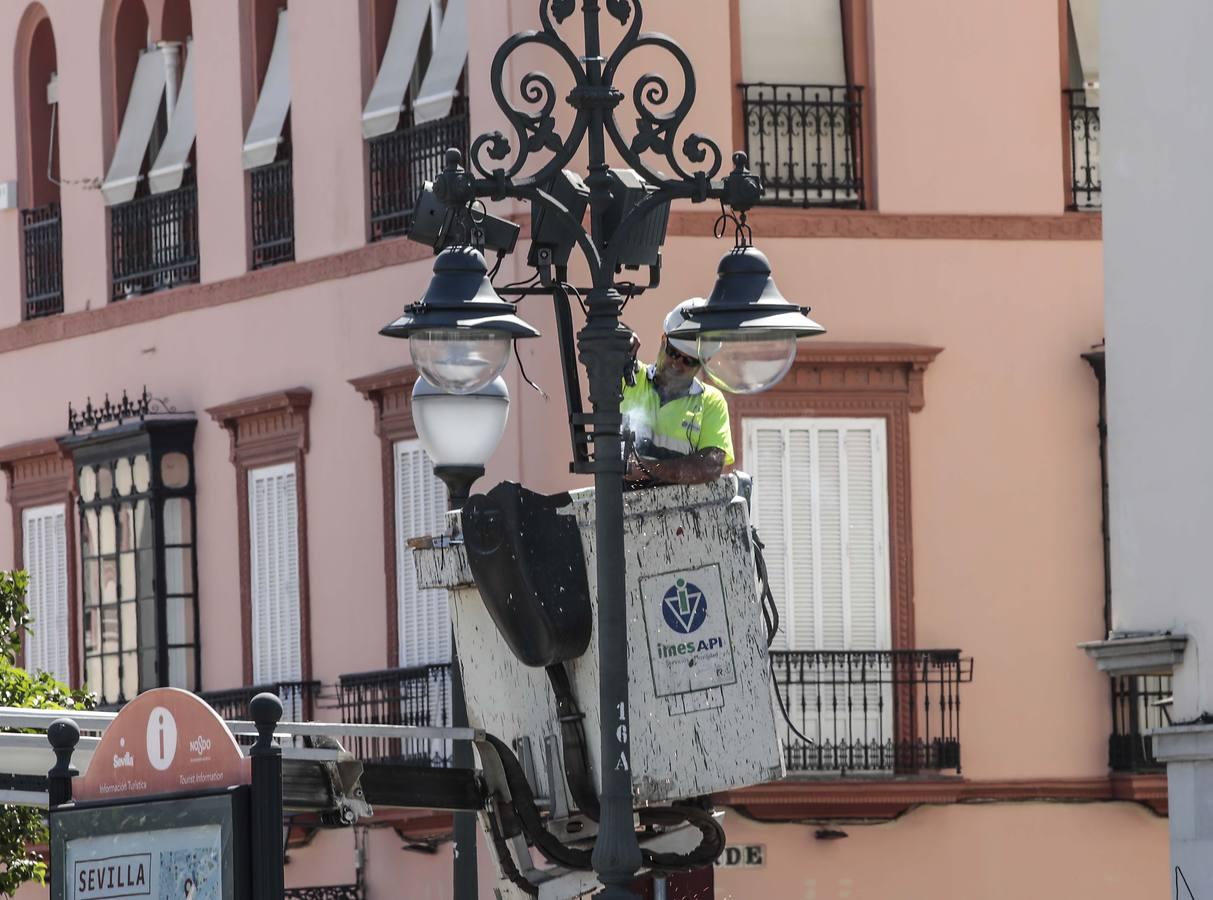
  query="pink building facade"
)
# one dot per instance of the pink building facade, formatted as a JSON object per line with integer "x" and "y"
{"x": 201, "y": 211}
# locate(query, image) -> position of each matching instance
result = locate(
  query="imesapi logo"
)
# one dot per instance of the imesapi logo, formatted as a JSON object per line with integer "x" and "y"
{"x": 685, "y": 609}
{"x": 200, "y": 746}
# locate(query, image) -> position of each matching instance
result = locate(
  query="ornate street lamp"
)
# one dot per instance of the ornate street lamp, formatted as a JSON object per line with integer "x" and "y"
{"x": 461, "y": 331}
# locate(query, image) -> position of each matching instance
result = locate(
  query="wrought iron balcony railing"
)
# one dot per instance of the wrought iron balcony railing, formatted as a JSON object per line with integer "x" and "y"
{"x": 416, "y": 696}
{"x": 880, "y": 711}
{"x": 271, "y": 190}
{"x": 298, "y": 700}
{"x": 42, "y": 230}
{"x": 154, "y": 242}
{"x": 400, "y": 162}
{"x": 806, "y": 141}
{"x": 1086, "y": 183}
{"x": 1139, "y": 703}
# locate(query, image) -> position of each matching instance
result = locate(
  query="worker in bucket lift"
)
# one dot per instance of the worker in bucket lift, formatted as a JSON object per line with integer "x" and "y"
{"x": 676, "y": 428}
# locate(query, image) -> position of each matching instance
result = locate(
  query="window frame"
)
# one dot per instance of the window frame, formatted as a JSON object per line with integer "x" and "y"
{"x": 40, "y": 473}
{"x": 876, "y": 427}
{"x": 390, "y": 393}
{"x": 266, "y": 430}
{"x": 156, "y": 439}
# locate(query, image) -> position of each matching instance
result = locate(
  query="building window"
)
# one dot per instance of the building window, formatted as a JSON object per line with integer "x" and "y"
{"x": 1080, "y": 92}
{"x": 417, "y": 107}
{"x": 138, "y": 569}
{"x": 267, "y": 145}
{"x": 820, "y": 504}
{"x": 150, "y": 185}
{"x": 802, "y": 68}
{"x": 828, "y": 448}
{"x": 269, "y": 439}
{"x": 274, "y": 573}
{"x": 38, "y": 188}
{"x": 44, "y": 534}
{"x": 44, "y": 557}
{"x": 424, "y": 619}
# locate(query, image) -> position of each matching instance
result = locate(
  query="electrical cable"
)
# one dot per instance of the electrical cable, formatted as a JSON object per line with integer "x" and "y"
{"x": 506, "y": 859}
{"x": 525, "y": 377}
{"x": 770, "y": 615}
{"x": 561, "y": 854}
{"x": 568, "y": 288}
{"x": 576, "y": 748}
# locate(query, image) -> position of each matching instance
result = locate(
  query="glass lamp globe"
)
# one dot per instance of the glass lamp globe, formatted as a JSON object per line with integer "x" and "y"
{"x": 461, "y": 429}
{"x": 460, "y": 360}
{"x": 746, "y": 362}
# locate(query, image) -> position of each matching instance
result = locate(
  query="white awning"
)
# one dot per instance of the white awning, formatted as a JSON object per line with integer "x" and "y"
{"x": 1085, "y": 14}
{"x": 173, "y": 158}
{"x": 383, "y": 107}
{"x": 137, "y": 123}
{"x": 450, "y": 53}
{"x": 265, "y": 131}
{"x": 792, "y": 42}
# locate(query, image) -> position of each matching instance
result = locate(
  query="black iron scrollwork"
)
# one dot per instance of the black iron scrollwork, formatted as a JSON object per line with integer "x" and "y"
{"x": 498, "y": 159}
{"x": 110, "y": 413}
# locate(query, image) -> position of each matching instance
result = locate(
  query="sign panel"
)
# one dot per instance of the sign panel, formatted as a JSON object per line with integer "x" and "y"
{"x": 743, "y": 856}
{"x": 164, "y": 741}
{"x": 184, "y": 848}
{"x": 176, "y": 863}
{"x": 690, "y": 644}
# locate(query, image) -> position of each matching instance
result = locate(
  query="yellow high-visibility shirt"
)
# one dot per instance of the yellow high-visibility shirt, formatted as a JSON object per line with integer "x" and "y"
{"x": 698, "y": 420}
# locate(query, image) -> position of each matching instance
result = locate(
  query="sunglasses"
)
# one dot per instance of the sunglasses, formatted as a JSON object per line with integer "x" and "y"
{"x": 679, "y": 356}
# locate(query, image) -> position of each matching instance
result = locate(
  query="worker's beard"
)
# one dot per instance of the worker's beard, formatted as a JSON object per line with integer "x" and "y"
{"x": 673, "y": 382}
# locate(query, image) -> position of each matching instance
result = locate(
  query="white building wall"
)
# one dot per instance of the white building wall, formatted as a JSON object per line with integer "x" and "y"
{"x": 1158, "y": 190}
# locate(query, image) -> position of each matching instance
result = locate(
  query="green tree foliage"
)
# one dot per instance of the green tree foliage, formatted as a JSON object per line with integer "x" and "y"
{"x": 23, "y": 828}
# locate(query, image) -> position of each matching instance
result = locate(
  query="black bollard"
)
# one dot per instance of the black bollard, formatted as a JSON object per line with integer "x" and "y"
{"x": 266, "y": 756}
{"x": 63, "y": 735}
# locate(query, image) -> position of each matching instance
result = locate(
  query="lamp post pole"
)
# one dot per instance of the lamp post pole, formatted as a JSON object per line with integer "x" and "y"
{"x": 461, "y": 300}
{"x": 459, "y": 481}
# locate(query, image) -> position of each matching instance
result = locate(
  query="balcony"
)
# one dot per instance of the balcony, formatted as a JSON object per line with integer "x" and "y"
{"x": 1085, "y": 180}
{"x": 298, "y": 700}
{"x": 806, "y": 141}
{"x": 891, "y": 712}
{"x": 1139, "y": 703}
{"x": 154, "y": 242}
{"x": 415, "y": 696}
{"x": 272, "y": 195}
{"x": 400, "y": 162}
{"x": 42, "y": 230}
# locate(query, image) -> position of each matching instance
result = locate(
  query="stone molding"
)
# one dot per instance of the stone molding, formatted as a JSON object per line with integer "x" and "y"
{"x": 1152, "y": 654}
{"x": 266, "y": 430}
{"x": 391, "y": 394}
{"x": 804, "y": 799}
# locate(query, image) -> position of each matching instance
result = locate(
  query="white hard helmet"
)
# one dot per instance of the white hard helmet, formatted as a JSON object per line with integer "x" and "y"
{"x": 676, "y": 319}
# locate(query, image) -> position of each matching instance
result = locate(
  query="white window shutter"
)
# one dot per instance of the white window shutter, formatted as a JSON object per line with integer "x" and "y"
{"x": 44, "y": 547}
{"x": 821, "y": 508}
{"x": 269, "y": 116}
{"x": 437, "y": 91}
{"x": 423, "y": 616}
{"x": 274, "y": 573}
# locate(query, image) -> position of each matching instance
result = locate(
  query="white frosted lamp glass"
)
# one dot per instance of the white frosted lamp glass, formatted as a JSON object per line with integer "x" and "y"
{"x": 742, "y": 362}
{"x": 460, "y": 429}
{"x": 460, "y": 360}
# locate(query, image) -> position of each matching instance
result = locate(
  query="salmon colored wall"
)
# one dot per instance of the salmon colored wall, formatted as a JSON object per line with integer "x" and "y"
{"x": 966, "y": 99}
{"x": 998, "y": 852}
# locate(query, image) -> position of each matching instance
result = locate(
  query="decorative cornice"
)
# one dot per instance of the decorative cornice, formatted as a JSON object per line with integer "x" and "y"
{"x": 38, "y": 471}
{"x": 796, "y": 800}
{"x": 771, "y": 222}
{"x": 837, "y": 366}
{"x": 266, "y": 424}
{"x": 258, "y": 283}
{"x": 391, "y": 393}
{"x": 1151, "y": 654}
